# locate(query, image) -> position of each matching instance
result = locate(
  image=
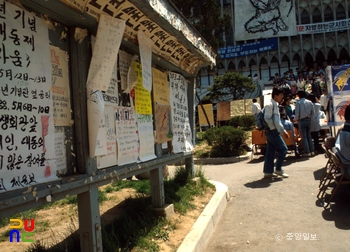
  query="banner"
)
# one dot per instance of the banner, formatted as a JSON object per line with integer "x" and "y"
{"x": 248, "y": 49}
{"x": 338, "y": 25}
{"x": 264, "y": 19}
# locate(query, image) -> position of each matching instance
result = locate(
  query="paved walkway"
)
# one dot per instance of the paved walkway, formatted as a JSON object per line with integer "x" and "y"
{"x": 278, "y": 214}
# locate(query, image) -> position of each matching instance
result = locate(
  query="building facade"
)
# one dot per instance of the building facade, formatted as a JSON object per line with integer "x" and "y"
{"x": 312, "y": 50}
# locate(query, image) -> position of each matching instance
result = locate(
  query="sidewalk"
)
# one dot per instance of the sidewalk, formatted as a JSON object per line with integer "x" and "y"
{"x": 262, "y": 209}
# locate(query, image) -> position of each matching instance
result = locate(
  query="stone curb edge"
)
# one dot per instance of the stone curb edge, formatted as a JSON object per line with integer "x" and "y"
{"x": 196, "y": 240}
{"x": 226, "y": 160}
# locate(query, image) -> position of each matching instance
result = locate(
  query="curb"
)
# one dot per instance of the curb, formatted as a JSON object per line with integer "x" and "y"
{"x": 196, "y": 240}
{"x": 227, "y": 160}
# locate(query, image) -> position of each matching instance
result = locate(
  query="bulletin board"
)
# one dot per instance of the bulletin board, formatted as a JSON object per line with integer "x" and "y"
{"x": 36, "y": 139}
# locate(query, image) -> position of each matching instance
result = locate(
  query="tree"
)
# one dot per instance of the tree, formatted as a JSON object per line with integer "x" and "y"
{"x": 205, "y": 16}
{"x": 230, "y": 86}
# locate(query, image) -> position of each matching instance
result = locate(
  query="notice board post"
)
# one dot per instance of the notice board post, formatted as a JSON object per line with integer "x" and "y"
{"x": 103, "y": 98}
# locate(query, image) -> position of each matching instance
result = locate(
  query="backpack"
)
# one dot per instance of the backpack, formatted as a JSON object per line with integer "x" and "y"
{"x": 260, "y": 121}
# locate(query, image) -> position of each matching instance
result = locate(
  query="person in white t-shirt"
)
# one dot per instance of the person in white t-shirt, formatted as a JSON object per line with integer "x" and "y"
{"x": 324, "y": 101}
{"x": 255, "y": 108}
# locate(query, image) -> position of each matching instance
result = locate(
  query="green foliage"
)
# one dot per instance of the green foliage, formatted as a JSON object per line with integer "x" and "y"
{"x": 226, "y": 141}
{"x": 244, "y": 121}
{"x": 206, "y": 17}
{"x": 230, "y": 86}
{"x": 138, "y": 227}
{"x": 140, "y": 186}
{"x": 24, "y": 215}
{"x": 235, "y": 121}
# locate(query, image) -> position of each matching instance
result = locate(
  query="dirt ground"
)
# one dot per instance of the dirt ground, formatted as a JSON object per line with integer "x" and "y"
{"x": 55, "y": 223}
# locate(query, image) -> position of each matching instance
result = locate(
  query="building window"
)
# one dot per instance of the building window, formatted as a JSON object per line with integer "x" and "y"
{"x": 328, "y": 14}
{"x": 305, "y": 18}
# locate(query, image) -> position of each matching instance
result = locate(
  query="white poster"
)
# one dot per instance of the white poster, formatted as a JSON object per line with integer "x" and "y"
{"x": 105, "y": 52}
{"x": 60, "y": 153}
{"x": 110, "y": 158}
{"x": 264, "y": 19}
{"x": 145, "y": 127}
{"x": 182, "y": 138}
{"x": 145, "y": 45}
{"x": 124, "y": 65}
{"x": 27, "y": 149}
{"x": 127, "y": 135}
{"x": 95, "y": 109}
{"x": 60, "y": 87}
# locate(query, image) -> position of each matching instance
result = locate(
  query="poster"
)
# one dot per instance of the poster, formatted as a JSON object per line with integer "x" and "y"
{"x": 134, "y": 75}
{"x": 146, "y": 137}
{"x": 110, "y": 158}
{"x": 340, "y": 102}
{"x": 164, "y": 131}
{"x": 127, "y": 135}
{"x": 95, "y": 109}
{"x": 124, "y": 65}
{"x": 145, "y": 45}
{"x": 208, "y": 108}
{"x": 223, "y": 111}
{"x": 105, "y": 52}
{"x": 264, "y": 19}
{"x": 160, "y": 87}
{"x": 102, "y": 66}
{"x": 338, "y": 88}
{"x": 60, "y": 153}
{"x": 182, "y": 139}
{"x": 27, "y": 149}
{"x": 60, "y": 87}
{"x": 143, "y": 102}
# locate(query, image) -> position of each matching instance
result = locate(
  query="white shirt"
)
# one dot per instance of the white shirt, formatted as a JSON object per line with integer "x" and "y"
{"x": 256, "y": 108}
{"x": 272, "y": 117}
{"x": 324, "y": 100}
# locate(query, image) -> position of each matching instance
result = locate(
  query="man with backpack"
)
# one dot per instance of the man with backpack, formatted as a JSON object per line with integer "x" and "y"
{"x": 274, "y": 139}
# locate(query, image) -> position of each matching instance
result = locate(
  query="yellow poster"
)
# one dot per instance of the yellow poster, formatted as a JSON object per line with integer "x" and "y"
{"x": 208, "y": 108}
{"x": 160, "y": 87}
{"x": 143, "y": 104}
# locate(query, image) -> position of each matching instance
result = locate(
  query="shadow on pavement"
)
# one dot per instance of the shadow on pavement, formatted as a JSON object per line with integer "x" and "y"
{"x": 262, "y": 183}
{"x": 339, "y": 209}
{"x": 318, "y": 173}
{"x": 290, "y": 159}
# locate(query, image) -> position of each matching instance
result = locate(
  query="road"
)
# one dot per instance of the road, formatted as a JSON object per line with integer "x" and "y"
{"x": 278, "y": 214}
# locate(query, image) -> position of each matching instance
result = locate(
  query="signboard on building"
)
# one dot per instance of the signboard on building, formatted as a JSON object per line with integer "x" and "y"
{"x": 248, "y": 49}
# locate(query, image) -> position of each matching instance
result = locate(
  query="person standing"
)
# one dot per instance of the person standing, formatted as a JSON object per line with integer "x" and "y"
{"x": 324, "y": 100}
{"x": 342, "y": 144}
{"x": 288, "y": 125}
{"x": 255, "y": 108}
{"x": 315, "y": 126}
{"x": 304, "y": 111}
{"x": 274, "y": 140}
{"x": 300, "y": 83}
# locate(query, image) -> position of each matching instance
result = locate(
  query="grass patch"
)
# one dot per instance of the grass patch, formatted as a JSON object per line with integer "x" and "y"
{"x": 138, "y": 228}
